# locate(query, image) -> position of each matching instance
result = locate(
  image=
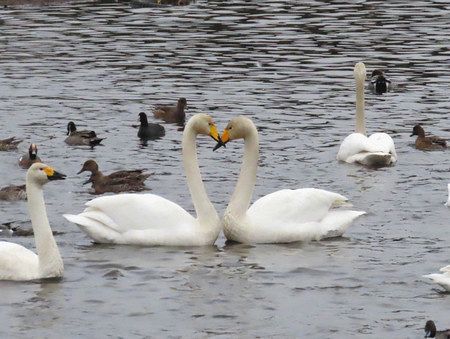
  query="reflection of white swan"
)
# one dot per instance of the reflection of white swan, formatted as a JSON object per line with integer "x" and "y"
{"x": 448, "y": 201}
{"x": 378, "y": 150}
{"x": 282, "y": 216}
{"x": 442, "y": 279}
{"x": 19, "y": 263}
{"x": 148, "y": 219}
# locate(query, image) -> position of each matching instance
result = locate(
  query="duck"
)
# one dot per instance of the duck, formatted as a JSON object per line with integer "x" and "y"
{"x": 80, "y": 138}
{"x": 431, "y": 332}
{"x": 149, "y": 131}
{"x": 9, "y": 144}
{"x": 442, "y": 279}
{"x": 378, "y": 82}
{"x": 375, "y": 151}
{"x": 13, "y": 193}
{"x": 151, "y": 220}
{"x": 284, "y": 216}
{"x": 174, "y": 114}
{"x": 448, "y": 201}
{"x": 19, "y": 263}
{"x": 430, "y": 142}
{"x": 120, "y": 181}
{"x": 29, "y": 158}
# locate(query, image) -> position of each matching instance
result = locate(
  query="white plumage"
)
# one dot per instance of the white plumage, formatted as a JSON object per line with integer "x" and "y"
{"x": 442, "y": 279}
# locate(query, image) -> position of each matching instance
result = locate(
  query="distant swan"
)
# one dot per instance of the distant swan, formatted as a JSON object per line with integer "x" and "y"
{"x": 283, "y": 216}
{"x": 148, "y": 219}
{"x": 442, "y": 279}
{"x": 19, "y": 263}
{"x": 375, "y": 151}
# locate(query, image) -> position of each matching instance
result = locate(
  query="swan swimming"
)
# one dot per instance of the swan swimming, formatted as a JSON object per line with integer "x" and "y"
{"x": 442, "y": 279}
{"x": 148, "y": 219}
{"x": 375, "y": 151}
{"x": 19, "y": 263}
{"x": 283, "y": 216}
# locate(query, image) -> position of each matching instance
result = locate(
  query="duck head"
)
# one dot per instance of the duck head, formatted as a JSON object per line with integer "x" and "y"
{"x": 90, "y": 166}
{"x": 418, "y": 130}
{"x": 32, "y": 151}
{"x": 430, "y": 329}
{"x": 71, "y": 127}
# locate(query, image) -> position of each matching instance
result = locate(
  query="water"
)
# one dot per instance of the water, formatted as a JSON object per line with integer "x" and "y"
{"x": 289, "y": 67}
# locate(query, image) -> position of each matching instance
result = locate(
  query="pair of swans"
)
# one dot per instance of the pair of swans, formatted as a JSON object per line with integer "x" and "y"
{"x": 281, "y": 217}
{"x": 375, "y": 151}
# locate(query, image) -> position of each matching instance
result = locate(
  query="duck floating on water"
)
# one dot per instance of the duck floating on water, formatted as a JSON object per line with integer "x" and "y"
{"x": 427, "y": 142}
{"x": 148, "y": 130}
{"x": 29, "y": 158}
{"x": 13, "y": 193}
{"x": 378, "y": 82}
{"x": 9, "y": 144}
{"x": 80, "y": 138}
{"x": 173, "y": 114}
{"x": 120, "y": 181}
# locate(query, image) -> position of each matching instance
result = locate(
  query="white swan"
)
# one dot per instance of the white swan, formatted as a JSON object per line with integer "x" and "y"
{"x": 19, "y": 263}
{"x": 442, "y": 279}
{"x": 283, "y": 216}
{"x": 448, "y": 201}
{"x": 378, "y": 150}
{"x": 148, "y": 219}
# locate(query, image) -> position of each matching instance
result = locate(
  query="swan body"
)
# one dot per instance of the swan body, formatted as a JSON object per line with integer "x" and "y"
{"x": 377, "y": 150}
{"x": 448, "y": 201}
{"x": 283, "y": 216}
{"x": 19, "y": 263}
{"x": 442, "y": 279}
{"x": 148, "y": 219}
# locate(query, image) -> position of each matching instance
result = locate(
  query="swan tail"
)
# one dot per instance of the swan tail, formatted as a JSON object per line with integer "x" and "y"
{"x": 336, "y": 223}
{"x": 94, "y": 227}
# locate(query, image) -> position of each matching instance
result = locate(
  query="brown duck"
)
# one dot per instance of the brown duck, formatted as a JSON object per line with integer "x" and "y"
{"x": 9, "y": 144}
{"x": 120, "y": 181}
{"x": 29, "y": 158}
{"x": 427, "y": 142}
{"x": 13, "y": 193}
{"x": 173, "y": 114}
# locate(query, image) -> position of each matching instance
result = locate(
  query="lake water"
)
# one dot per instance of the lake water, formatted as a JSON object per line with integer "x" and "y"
{"x": 288, "y": 66}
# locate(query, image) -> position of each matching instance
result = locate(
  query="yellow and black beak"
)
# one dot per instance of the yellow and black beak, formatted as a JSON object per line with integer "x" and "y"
{"x": 223, "y": 140}
{"x": 214, "y": 133}
{"x": 53, "y": 175}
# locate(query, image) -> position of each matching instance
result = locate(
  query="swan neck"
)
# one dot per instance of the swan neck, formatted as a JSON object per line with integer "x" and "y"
{"x": 360, "y": 119}
{"x": 50, "y": 262}
{"x": 203, "y": 207}
{"x": 240, "y": 200}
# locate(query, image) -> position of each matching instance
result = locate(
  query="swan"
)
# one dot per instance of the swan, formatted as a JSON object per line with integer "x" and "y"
{"x": 448, "y": 201}
{"x": 282, "y": 216}
{"x": 375, "y": 151}
{"x": 148, "y": 219}
{"x": 442, "y": 279}
{"x": 19, "y": 263}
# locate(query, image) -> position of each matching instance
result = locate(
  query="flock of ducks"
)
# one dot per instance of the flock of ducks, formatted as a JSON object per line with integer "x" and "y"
{"x": 147, "y": 219}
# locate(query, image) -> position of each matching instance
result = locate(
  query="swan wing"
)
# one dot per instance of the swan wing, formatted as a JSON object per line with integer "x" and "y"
{"x": 17, "y": 262}
{"x": 298, "y": 215}
{"x": 123, "y": 218}
{"x": 442, "y": 280}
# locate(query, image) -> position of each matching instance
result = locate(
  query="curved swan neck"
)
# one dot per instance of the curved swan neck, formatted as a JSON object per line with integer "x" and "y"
{"x": 203, "y": 207}
{"x": 360, "y": 76}
{"x": 240, "y": 200}
{"x": 50, "y": 262}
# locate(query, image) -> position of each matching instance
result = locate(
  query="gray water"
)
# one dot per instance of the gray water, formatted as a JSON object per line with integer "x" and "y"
{"x": 288, "y": 66}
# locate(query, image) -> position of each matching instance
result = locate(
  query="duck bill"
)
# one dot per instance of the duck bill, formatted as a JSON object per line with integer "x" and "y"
{"x": 81, "y": 171}
{"x": 222, "y": 140}
{"x": 53, "y": 175}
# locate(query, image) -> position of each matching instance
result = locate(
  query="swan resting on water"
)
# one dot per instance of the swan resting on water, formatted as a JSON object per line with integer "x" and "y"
{"x": 148, "y": 219}
{"x": 19, "y": 263}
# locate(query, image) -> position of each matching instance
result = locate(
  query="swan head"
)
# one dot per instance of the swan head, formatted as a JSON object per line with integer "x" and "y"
{"x": 89, "y": 165}
{"x": 430, "y": 329}
{"x": 204, "y": 124}
{"x": 71, "y": 127}
{"x": 237, "y": 128}
{"x": 360, "y": 71}
{"x": 40, "y": 174}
